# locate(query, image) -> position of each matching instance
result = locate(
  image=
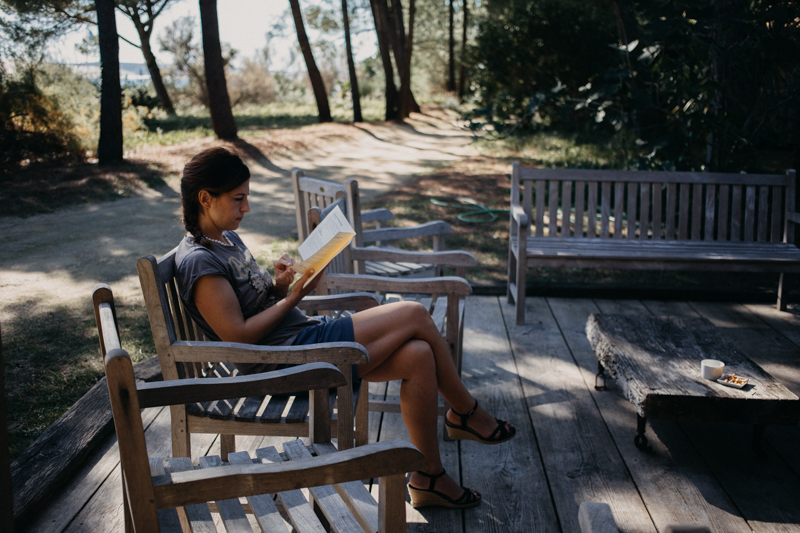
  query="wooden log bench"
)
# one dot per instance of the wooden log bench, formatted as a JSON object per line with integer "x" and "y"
{"x": 650, "y": 221}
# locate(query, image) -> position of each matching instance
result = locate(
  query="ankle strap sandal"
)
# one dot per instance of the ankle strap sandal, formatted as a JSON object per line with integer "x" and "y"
{"x": 462, "y": 432}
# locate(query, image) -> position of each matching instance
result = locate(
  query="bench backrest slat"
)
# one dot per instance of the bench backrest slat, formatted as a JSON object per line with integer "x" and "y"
{"x": 552, "y": 208}
{"x": 566, "y": 203}
{"x": 591, "y": 210}
{"x": 654, "y": 205}
{"x": 631, "y": 211}
{"x": 710, "y": 212}
{"x": 605, "y": 210}
{"x": 580, "y": 202}
{"x": 777, "y": 200}
{"x": 763, "y": 213}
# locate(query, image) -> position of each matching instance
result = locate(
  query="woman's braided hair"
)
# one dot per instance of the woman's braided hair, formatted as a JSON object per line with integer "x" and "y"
{"x": 216, "y": 170}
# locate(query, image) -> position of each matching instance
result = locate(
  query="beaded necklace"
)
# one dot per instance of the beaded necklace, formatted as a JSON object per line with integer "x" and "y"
{"x": 217, "y": 241}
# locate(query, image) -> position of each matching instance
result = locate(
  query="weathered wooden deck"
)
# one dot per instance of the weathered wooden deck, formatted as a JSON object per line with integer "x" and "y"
{"x": 573, "y": 444}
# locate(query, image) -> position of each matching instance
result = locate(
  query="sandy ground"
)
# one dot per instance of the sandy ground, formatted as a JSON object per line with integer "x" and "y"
{"x": 56, "y": 259}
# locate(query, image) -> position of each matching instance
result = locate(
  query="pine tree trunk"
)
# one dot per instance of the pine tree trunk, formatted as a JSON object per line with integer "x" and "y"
{"x": 406, "y": 98}
{"x": 317, "y": 85}
{"x": 155, "y": 76}
{"x": 109, "y": 147}
{"x": 398, "y": 39}
{"x": 219, "y": 102}
{"x": 451, "y": 45}
{"x": 462, "y": 72}
{"x": 380, "y": 16}
{"x": 351, "y": 66}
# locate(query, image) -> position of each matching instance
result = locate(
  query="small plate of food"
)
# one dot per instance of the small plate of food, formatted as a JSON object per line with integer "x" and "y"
{"x": 732, "y": 380}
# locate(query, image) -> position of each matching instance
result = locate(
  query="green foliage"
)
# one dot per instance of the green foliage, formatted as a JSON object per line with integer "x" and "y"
{"x": 33, "y": 127}
{"x": 531, "y": 58}
{"x": 709, "y": 86}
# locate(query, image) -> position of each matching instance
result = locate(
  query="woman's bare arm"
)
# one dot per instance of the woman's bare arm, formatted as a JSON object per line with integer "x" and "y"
{"x": 219, "y": 306}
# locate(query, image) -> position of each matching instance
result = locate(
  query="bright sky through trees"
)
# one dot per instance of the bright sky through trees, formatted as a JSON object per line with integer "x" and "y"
{"x": 242, "y": 24}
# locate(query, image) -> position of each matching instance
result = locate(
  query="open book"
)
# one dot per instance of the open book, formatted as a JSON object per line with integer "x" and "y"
{"x": 324, "y": 243}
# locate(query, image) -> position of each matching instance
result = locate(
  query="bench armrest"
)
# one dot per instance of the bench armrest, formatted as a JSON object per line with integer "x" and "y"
{"x": 436, "y": 227}
{"x": 519, "y": 215}
{"x": 337, "y": 353}
{"x": 438, "y": 285}
{"x": 313, "y": 376}
{"x": 355, "y": 301}
{"x": 455, "y": 258}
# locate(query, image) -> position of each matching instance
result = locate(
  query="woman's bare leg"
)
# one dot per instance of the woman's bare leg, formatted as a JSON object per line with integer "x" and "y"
{"x": 404, "y": 343}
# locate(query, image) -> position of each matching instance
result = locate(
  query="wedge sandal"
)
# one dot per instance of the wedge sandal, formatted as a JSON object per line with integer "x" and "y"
{"x": 433, "y": 498}
{"x": 462, "y": 432}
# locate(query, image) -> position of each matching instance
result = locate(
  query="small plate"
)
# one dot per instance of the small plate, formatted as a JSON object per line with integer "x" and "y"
{"x": 724, "y": 381}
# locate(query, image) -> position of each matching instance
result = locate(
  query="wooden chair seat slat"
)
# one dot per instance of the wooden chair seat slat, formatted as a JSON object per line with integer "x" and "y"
{"x": 264, "y": 509}
{"x": 300, "y": 511}
{"x": 222, "y": 409}
{"x": 249, "y": 408}
{"x": 230, "y": 510}
{"x": 326, "y": 497}
{"x": 168, "y": 519}
{"x": 198, "y": 515}
{"x": 298, "y": 411}
{"x": 274, "y": 409}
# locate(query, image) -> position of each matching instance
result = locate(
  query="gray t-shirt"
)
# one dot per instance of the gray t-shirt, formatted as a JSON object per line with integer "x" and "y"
{"x": 251, "y": 284}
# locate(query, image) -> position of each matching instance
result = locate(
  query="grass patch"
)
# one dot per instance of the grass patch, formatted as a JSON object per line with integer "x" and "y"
{"x": 194, "y": 123}
{"x": 44, "y": 189}
{"x": 52, "y": 358}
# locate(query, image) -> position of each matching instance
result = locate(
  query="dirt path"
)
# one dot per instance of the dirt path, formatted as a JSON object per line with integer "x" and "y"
{"x": 54, "y": 260}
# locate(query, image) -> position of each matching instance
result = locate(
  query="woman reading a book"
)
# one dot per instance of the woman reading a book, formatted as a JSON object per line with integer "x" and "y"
{"x": 234, "y": 299}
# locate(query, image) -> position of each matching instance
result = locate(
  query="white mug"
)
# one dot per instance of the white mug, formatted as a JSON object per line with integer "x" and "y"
{"x": 711, "y": 368}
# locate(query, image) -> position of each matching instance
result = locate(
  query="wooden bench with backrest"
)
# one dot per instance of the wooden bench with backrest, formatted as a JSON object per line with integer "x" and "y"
{"x": 650, "y": 221}
{"x": 184, "y": 352}
{"x": 163, "y": 497}
{"x": 378, "y": 259}
{"x": 443, "y": 296}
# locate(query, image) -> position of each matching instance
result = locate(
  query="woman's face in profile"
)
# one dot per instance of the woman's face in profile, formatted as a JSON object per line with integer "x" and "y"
{"x": 227, "y": 210}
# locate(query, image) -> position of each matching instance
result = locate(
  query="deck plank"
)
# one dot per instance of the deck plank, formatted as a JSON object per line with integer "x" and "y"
{"x": 511, "y": 468}
{"x": 580, "y": 458}
{"x": 675, "y": 484}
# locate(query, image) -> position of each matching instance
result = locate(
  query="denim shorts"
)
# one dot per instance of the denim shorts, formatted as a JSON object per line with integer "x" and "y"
{"x": 330, "y": 330}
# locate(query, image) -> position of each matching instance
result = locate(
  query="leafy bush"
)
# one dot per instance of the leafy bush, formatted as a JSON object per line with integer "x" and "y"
{"x": 711, "y": 86}
{"x": 33, "y": 127}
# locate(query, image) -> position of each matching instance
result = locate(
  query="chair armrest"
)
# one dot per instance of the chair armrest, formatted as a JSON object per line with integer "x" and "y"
{"x": 439, "y": 285}
{"x": 337, "y": 353}
{"x": 376, "y": 215}
{"x": 355, "y": 301}
{"x": 455, "y": 258}
{"x": 225, "y": 482}
{"x": 313, "y": 376}
{"x": 519, "y": 215}
{"x": 436, "y": 227}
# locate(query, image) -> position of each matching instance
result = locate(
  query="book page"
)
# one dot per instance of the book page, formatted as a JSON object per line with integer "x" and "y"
{"x": 324, "y": 243}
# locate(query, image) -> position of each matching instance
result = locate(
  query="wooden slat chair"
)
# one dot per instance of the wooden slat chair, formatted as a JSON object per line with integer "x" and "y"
{"x": 153, "y": 492}
{"x": 379, "y": 259}
{"x": 184, "y": 352}
{"x": 443, "y": 296}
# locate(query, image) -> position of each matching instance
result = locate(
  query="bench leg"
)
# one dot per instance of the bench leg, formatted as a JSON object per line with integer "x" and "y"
{"x": 640, "y": 441}
{"x": 600, "y": 374}
{"x": 783, "y": 293}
